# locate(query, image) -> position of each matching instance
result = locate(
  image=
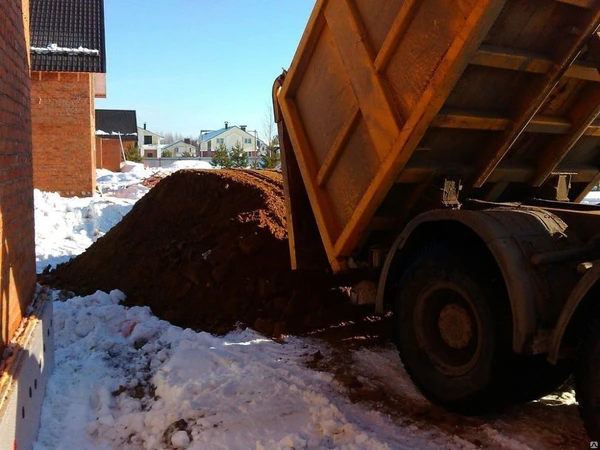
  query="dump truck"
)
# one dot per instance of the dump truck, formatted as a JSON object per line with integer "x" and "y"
{"x": 446, "y": 146}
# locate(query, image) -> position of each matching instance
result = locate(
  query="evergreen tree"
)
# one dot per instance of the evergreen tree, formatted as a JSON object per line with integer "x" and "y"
{"x": 270, "y": 157}
{"x": 221, "y": 157}
{"x": 132, "y": 153}
{"x": 166, "y": 154}
{"x": 239, "y": 158}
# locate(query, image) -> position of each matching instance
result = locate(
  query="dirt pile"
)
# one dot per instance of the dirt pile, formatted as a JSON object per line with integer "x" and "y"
{"x": 208, "y": 249}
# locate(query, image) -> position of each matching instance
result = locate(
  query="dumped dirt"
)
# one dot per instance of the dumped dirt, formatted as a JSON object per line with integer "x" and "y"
{"x": 208, "y": 250}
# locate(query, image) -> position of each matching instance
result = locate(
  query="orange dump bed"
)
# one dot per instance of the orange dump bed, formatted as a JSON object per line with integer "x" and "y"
{"x": 384, "y": 97}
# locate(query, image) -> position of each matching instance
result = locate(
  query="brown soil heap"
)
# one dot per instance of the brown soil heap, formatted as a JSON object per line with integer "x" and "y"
{"x": 208, "y": 249}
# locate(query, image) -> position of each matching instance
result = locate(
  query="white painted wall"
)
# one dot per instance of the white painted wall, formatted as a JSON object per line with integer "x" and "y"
{"x": 180, "y": 148}
{"x": 141, "y": 133}
{"x": 230, "y": 138}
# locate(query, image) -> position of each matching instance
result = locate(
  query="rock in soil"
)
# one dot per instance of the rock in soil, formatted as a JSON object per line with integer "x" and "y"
{"x": 208, "y": 250}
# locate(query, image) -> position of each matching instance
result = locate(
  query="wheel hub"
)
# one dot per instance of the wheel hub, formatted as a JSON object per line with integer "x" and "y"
{"x": 455, "y": 326}
{"x": 448, "y": 329}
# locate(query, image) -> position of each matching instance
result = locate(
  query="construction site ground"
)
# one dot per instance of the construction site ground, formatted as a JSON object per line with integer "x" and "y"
{"x": 208, "y": 250}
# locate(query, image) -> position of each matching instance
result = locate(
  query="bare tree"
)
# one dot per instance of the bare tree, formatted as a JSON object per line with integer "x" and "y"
{"x": 169, "y": 137}
{"x": 269, "y": 128}
{"x": 269, "y": 154}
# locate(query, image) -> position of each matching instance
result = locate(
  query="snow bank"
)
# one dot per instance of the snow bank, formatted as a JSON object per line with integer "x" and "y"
{"x": 124, "y": 380}
{"x": 130, "y": 166}
{"x": 191, "y": 164}
{"x": 65, "y": 227}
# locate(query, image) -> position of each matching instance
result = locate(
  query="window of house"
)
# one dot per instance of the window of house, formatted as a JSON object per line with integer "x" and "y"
{"x": 247, "y": 140}
{"x": 208, "y": 145}
{"x": 147, "y": 140}
{"x": 220, "y": 140}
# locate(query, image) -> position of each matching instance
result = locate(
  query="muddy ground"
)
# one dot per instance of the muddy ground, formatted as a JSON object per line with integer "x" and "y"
{"x": 361, "y": 355}
{"x": 208, "y": 250}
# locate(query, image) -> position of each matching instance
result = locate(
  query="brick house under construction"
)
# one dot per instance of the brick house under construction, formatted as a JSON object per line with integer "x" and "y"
{"x": 68, "y": 67}
{"x": 116, "y": 130}
{"x": 17, "y": 256}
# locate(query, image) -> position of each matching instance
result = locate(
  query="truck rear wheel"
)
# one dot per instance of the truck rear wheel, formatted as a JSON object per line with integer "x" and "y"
{"x": 587, "y": 381}
{"x": 454, "y": 336}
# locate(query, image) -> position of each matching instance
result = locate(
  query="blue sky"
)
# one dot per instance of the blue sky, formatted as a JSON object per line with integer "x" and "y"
{"x": 187, "y": 65}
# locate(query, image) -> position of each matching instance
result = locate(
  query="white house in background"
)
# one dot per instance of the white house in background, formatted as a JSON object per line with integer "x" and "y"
{"x": 229, "y": 136}
{"x": 180, "y": 147}
{"x": 148, "y": 142}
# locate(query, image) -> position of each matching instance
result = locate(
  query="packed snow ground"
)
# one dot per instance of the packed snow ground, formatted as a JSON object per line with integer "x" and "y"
{"x": 126, "y": 380}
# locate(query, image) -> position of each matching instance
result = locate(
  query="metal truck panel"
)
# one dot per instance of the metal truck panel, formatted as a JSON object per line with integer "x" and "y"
{"x": 384, "y": 98}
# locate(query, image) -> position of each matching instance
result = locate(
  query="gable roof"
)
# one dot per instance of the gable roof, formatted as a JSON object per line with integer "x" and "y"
{"x": 178, "y": 142}
{"x": 213, "y": 134}
{"x": 67, "y": 36}
{"x": 145, "y": 131}
{"x": 111, "y": 122}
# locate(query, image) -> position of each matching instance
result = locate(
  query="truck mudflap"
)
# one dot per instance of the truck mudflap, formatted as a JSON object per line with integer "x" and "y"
{"x": 23, "y": 378}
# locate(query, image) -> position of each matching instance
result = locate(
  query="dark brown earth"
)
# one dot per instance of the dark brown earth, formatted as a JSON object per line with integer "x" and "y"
{"x": 155, "y": 255}
{"x": 208, "y": 250}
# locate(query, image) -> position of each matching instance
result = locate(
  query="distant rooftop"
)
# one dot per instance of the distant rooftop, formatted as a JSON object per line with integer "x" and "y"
{"x": 67, "y": 36}
{"x": 144, "y": 130}
{"x": 212, "y": 134}
{"x": 179, "y": 142}
{"x": 112, "y": 122}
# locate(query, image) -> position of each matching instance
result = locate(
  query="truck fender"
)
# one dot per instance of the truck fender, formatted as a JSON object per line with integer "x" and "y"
{"x": 511, "y": 235}
{"x": 579, "y": 294}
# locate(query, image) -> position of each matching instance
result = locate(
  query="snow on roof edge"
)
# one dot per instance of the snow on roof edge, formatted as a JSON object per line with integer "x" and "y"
{"x": 54, "y": 48}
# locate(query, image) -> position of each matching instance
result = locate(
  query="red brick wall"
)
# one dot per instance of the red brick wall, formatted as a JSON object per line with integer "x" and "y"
{"x": 62, "y": 113}
{"x": 17, "y": 256}
{"x": 108, "y": 154}
{"x": 98, "y": 153}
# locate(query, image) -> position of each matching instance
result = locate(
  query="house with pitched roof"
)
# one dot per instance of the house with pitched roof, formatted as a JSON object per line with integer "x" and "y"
{"x": 116, "y": 130}
{"x": 149, "y": 142}
{"x": 230, "y": 136}
{"x": 180, "y": 148}
{"x": 68, "y": 67}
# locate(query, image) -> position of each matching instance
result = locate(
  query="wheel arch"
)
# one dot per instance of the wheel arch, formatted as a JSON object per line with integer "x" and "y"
{"x": 580, "y": 309}
{"x": 505, "y": 235}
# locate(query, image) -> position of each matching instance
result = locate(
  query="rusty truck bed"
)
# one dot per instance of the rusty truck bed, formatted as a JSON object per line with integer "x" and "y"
{"x": 385, "y": 96}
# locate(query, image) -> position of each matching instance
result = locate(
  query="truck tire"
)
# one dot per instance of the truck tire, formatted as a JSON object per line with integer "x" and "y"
{"x": 454, "y": 335}
{"x": 587, "y": 381}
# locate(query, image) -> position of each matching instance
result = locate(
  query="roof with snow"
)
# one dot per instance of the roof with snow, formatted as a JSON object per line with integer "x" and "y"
{"x": 112, "y": 122}
{"x": 213, "y": 134}
{"x": 67, "y": 36}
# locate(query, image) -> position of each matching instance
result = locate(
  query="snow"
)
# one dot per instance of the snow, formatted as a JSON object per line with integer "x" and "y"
{"x": 191, "y": 164}
{"x": 122, "y": 377}
{"x": 113, "y": 133}
{"x": 54, "y": 48}
{"x": 126, "y": 380}
{"x": 592, "y": 198}
{"x": 65, "y": 227}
